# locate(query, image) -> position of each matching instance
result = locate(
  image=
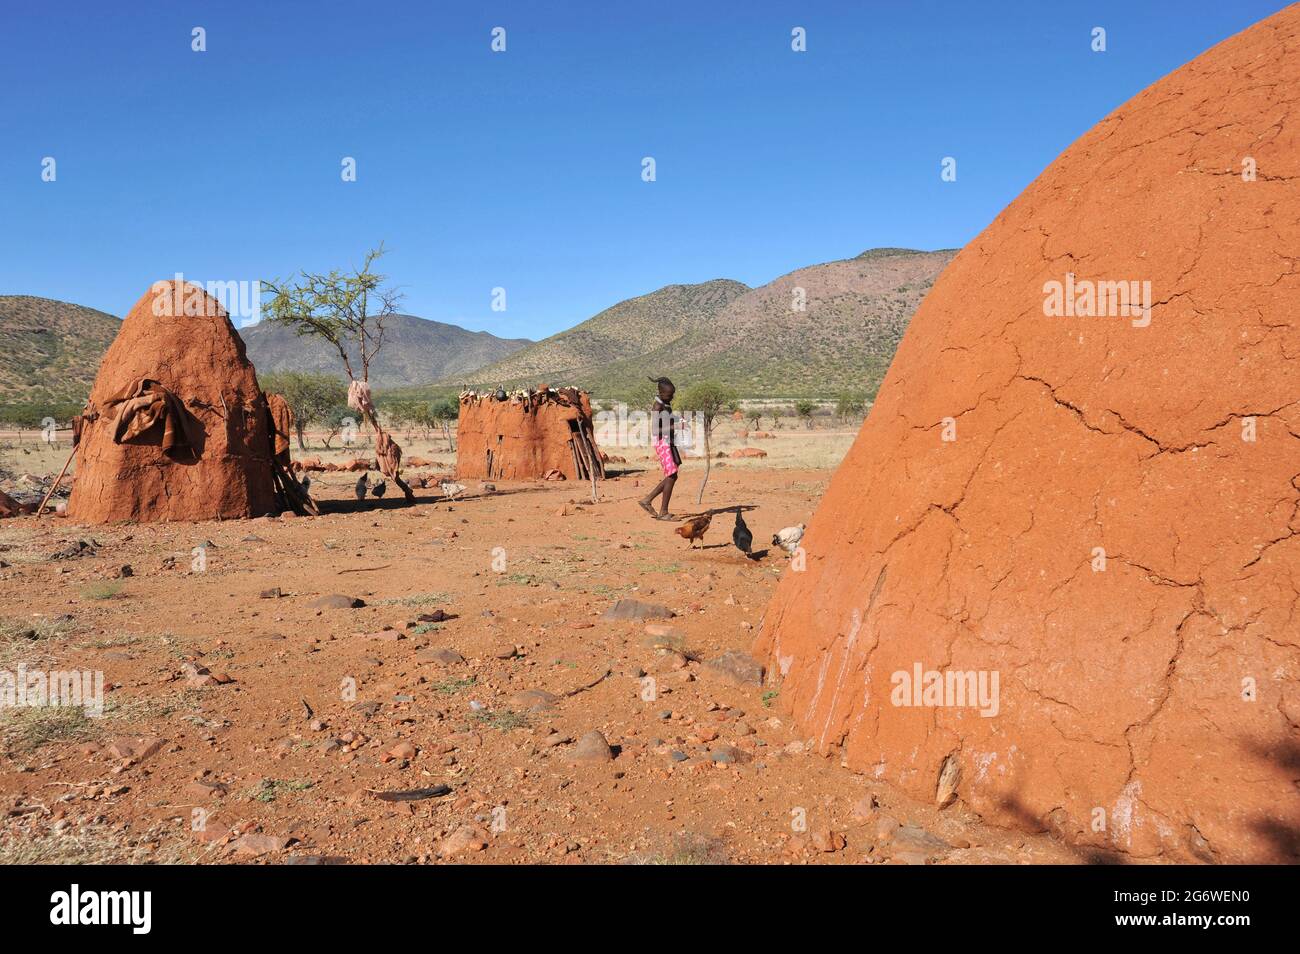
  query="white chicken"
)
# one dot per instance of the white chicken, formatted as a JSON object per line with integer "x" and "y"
{"x": 788, "y": 539}
{"x": 450, "y": 488}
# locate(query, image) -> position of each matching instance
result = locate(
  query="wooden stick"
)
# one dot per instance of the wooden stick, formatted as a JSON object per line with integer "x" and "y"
{"x": 588, "y": 456}
{"x": 577, "y": 468}
{"x": 57, "y": 480}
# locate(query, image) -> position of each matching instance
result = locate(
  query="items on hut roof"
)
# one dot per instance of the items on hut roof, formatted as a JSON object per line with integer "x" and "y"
{"x": 527, "y": 434}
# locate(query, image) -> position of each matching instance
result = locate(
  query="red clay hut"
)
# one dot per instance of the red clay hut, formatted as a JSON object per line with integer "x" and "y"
{"x": 527, "y": 435}
{"x": 1057, "y": 573}
{"x": 176, "y": 427}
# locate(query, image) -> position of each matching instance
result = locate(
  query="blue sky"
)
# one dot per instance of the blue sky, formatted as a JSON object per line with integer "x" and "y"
{"x": 522, "y": 169}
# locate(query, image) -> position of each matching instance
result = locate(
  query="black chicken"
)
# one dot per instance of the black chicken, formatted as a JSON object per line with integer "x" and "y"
{"x": 740, "y": 535}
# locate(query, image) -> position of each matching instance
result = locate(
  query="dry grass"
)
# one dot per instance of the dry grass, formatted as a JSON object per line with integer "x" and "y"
{"x": 95, "y": 847}
{"x": 26, "y": 640}
{"x": 688, "y": 848}
{"x": 26, "y": 728}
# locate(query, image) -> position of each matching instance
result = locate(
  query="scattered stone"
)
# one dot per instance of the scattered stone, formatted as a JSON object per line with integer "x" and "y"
{"x": 252, "y": 845}
{"x": 440, "y": 655}
{"x": 135, "y": 749}
{"x": 465, "y": 839}
{"x": 636, "y": 610}
{"x": 336, "y": 601}
{"x": 592, "y": 747}
{"x": 864, "y": 809}
{"x": 534, "y": 700}
{"x": 274, "y": 593}
{"x": 906, "y": 843}
{"x": 825, "y": 840}
{"x": 402, "y": 750}
{"x": 728, "y": 754}
{"x": 206, "y": 790}
{"x": 77, "y": 549}
{"x": 735, "y": 667}
{"x": 316, "y": 860}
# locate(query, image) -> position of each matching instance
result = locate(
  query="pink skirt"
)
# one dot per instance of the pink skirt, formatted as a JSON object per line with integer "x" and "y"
{"x": 666, "y": 462}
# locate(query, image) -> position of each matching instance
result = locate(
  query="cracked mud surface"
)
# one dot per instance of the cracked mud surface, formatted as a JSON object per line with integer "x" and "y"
{"x": 1122, "y": 722}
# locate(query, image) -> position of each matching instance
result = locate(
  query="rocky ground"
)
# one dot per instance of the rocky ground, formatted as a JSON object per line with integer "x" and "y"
{"x": 492, "y": 680}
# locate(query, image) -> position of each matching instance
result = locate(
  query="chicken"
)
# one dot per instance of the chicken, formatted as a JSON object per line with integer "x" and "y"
{"x": 450, "y": 488}
{"x": 380, "y": 488}
{"x": 306, "y": 483}
{"x": 694, "y": 528}
{"x": 740, "y": 535}
{"x": 363, "y": 482}
{"x": 788, "y": 539}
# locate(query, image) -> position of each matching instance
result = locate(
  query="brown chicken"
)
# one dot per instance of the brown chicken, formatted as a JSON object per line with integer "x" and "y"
{"x": 694, "y": 528}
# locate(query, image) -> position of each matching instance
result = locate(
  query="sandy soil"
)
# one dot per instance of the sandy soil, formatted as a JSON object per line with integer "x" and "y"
{"x": 241, "y": 725}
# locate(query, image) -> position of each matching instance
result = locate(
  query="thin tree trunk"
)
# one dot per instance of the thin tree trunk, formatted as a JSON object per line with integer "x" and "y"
{"x": 708, "y": 465}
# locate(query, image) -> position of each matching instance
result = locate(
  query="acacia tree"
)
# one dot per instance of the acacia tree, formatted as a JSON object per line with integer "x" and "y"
{"x": 311, "y": 397}
{"x": 347, "y": 309}
{"x": 445, "y": 412}
{"x": 851, "y": 404}
{"x": 707, "y": 400}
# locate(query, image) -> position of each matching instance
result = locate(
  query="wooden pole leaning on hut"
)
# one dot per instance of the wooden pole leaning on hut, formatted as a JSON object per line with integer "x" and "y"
{"x": 57, "y": 480}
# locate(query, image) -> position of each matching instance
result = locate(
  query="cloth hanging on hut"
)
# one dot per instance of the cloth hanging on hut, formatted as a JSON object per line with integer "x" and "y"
{"x": 146, "y": 405}
{"x": 281, "y": 427}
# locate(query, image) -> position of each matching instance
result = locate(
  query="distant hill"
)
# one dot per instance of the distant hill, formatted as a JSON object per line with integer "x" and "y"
{"x": 50, "y": 350}
{"x": 630, "y": 328}
{"x": 855, "y": 313}
{"x": 415, "y": 351}
{"x": 754, "y": 339}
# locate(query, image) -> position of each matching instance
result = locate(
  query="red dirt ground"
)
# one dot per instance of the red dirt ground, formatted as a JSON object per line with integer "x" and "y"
{"x": 279, "y": 784}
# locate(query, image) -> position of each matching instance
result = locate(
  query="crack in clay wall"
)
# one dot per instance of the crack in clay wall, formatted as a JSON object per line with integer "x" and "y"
{"x": 1122, "y": 689}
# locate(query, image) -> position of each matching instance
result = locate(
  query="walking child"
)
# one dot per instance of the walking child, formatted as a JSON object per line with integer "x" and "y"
{"x": 665, "y": 445}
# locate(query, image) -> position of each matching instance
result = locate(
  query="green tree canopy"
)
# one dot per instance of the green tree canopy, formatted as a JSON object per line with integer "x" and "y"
{"x": 706, "y": 400}
{"x": 311, "y": 397}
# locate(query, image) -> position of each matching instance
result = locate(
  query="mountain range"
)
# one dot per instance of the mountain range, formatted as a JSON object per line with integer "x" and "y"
{"x": 415, "y": 351}
{"x": 815, "y": 332}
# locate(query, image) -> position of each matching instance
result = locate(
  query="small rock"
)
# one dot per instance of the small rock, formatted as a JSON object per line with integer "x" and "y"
{"x": 440, "y": 655}
{"x": 251, "y": 845}
{"x": 636, "y": 610}
{"x": 735, "y": 667}
{"x": 136, "y": 749}
{"x": 336, "y": 601}
{"x": 465, "y": 839}
{"x": 727, "y": 754}
{"x": 825, "y": 840}
{"x": 592, "y": 747}
{"x": 534, "y": 700}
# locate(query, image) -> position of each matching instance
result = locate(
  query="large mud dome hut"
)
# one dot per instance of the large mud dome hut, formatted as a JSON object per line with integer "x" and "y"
{"x": 176, "y": 427}
{"x": 1057, "y": 576}
{"x": 527, "y": 435}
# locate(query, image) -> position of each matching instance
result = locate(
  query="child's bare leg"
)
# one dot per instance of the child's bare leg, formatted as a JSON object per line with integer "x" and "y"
{"x": 648, "y": 500}
{"x": 667, "y": 483}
